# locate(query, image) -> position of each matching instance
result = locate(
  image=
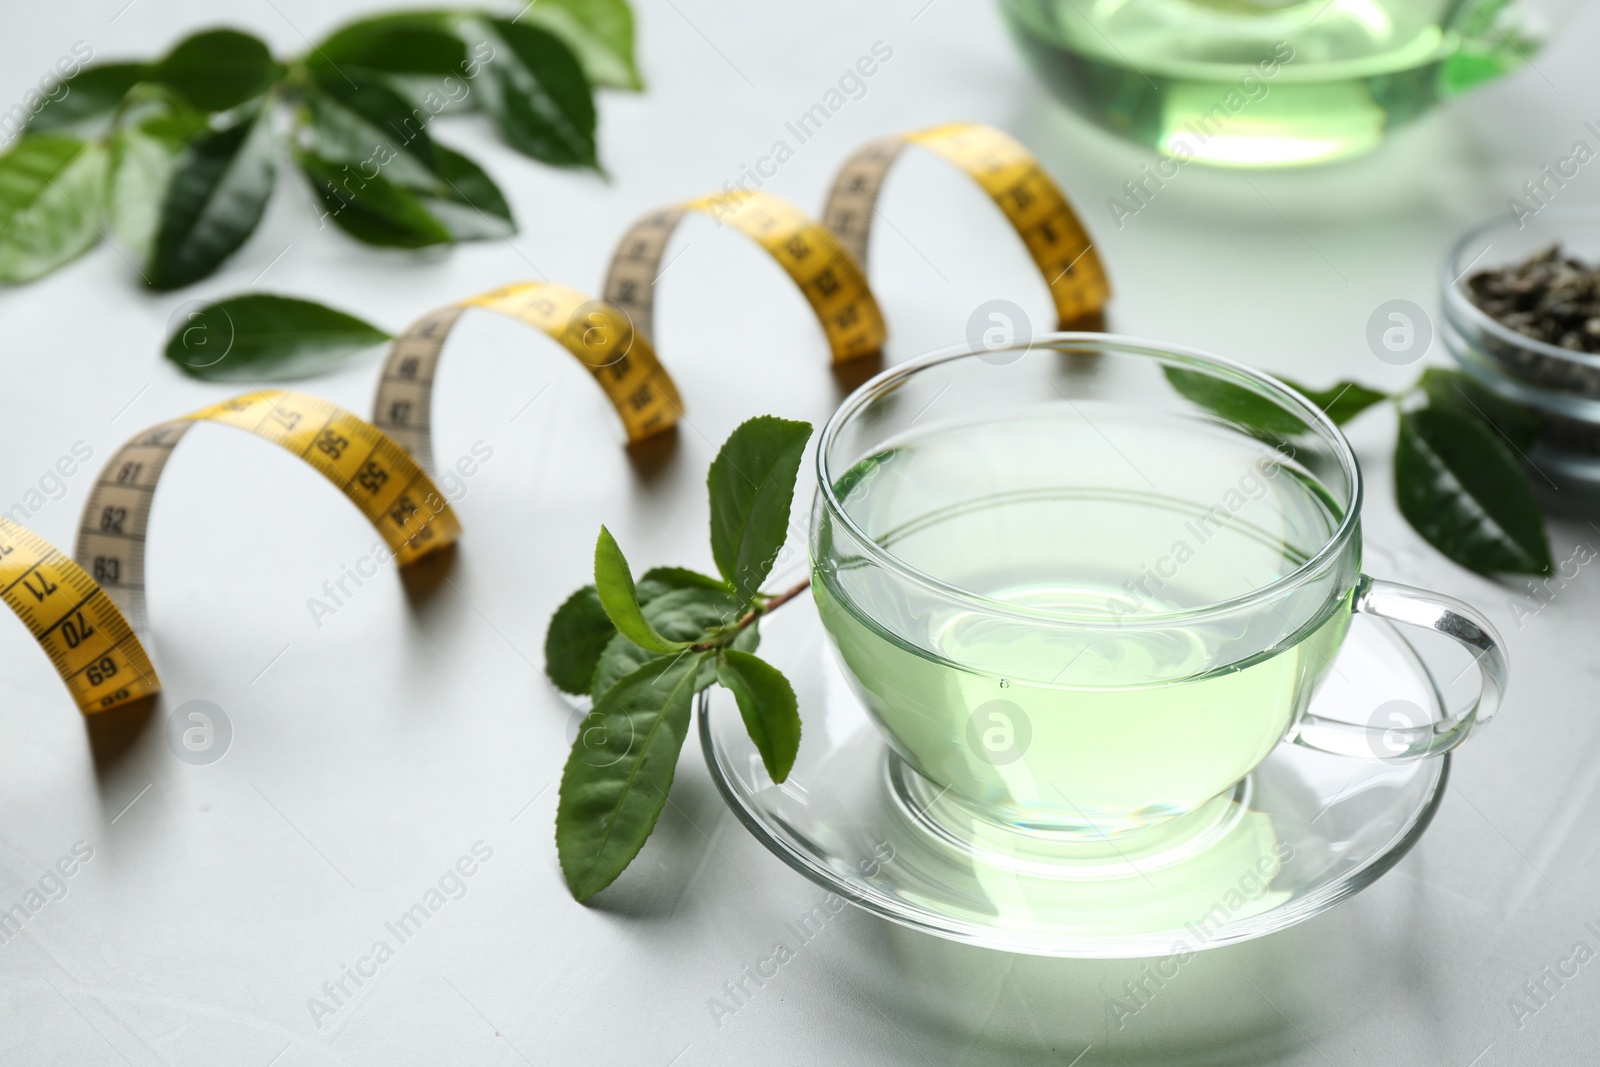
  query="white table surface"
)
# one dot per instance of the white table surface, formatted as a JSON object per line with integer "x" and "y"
{"x": 370, "y": 754}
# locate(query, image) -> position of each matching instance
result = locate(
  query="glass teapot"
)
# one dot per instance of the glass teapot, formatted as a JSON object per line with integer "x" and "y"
{"x": 1262, "y": 83}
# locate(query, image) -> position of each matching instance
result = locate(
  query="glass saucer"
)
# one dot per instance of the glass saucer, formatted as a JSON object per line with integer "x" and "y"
{"x": 1304, "y": 831}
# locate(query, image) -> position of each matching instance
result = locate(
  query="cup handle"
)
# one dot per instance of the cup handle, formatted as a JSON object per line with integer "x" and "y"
{"x": 1388, "y": 744}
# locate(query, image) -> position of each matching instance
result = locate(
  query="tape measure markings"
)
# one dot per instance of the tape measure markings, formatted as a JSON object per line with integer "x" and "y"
{"x": 369, "y": 468}
{"x": 1025, "y": 193}
{"x": 403, "y": 407}
{"x": 616, "y": 354}
{"x": 87, "y": 640}
{"x": 813, "y": 257}
{"x": 854, "y": 196}
{"x": 636, "y": 266}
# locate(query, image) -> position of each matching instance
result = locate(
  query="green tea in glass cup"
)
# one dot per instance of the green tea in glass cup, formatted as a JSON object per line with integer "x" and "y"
{"x": 1261, "y": 83}
{"x": 1085, "y": 585}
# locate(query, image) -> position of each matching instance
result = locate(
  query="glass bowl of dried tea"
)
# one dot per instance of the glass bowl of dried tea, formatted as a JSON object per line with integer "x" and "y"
{"x": 1521, "y": 299}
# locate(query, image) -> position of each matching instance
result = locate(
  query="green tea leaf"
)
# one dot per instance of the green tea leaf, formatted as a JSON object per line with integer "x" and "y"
{"x": 218, "y": 192}
{"x": 408, "y": 42}
{"x": 618, "y": 659}
{"x": 434, "y": 94}
{"x": 1491, "y": 46}
{"x": 539, "y": 96}
{"x": 599, "y": 31}
{"x": 659, "y": 580}
{"x": 682, "y": 615}
{"x": 1235, "y": 403}
{"x": 420, "y": 188}
{"x": 91, "y": 98}
{"x": 51, "y": 195}
{"x": 258, "y": 337}
{"x": 141, "y": 166}
{"x": 855, "y": 480}
{"x": 749, "y": 638}
{"x": 849, "y": 489}
{"x": 1455, "y": 391}
{"x": 616, "y": 779}
{"x": 1342, "y": 401}
{"x": 375, "y": 210}
{"x": 372, "y": 128}
{"x": 468, "y": 202}
{"x": 163, "y": 114}
{"x": 218, "y": 69}
{"x": 768, "y": 706}
{"x": 752, "y": 485}
{"x": 1467, "y": 495}
{"x": 579, "y": 632}
{"x": 614, "y": 582}
{"x": 144, "y": 151}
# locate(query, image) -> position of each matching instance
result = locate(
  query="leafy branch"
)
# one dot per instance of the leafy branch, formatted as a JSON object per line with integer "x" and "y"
{"x": 1458, "y": 473}
{"x": 178, "y": 157}
{"x": 643, "y": 649}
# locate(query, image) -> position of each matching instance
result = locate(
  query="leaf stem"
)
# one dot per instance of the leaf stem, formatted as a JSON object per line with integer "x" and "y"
{"x": 771, "y": 604}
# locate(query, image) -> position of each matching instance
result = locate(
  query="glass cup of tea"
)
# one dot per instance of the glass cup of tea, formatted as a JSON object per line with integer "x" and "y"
{"x": 1085, "y": 585}
{"x": 1264, "y": 83}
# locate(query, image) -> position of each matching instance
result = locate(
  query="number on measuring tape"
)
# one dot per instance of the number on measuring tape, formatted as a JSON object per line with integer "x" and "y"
{"x": 600, "y": 336}
{"x": 87, "y": 639}
{"x": 368, "y": 467}
{"x": 1022, "y": 190}
{"x": 813, "y": 257}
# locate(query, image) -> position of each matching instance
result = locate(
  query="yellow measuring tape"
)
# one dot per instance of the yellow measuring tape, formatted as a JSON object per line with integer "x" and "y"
{"x": 373, "y": 471}
{"x": 808, "y": 252}
{"x": 87, "y": 639}
{"x": 86, "y": 614}
{"x": 601, "y": 336}
{"x": 1029, "y": 198}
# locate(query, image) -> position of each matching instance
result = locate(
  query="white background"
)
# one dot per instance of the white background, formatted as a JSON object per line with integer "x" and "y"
{"x": 369, "y": 754}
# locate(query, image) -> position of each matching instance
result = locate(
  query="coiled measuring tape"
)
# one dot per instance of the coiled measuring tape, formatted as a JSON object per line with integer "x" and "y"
{"x": 1027, "y": 196}
{"x": 808, "y": 251}
{"x": 601, "y": 336}
{"x": 88, "y": 640}
{"x": 367, "y": 466}
{"x": 86, "y": 615}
